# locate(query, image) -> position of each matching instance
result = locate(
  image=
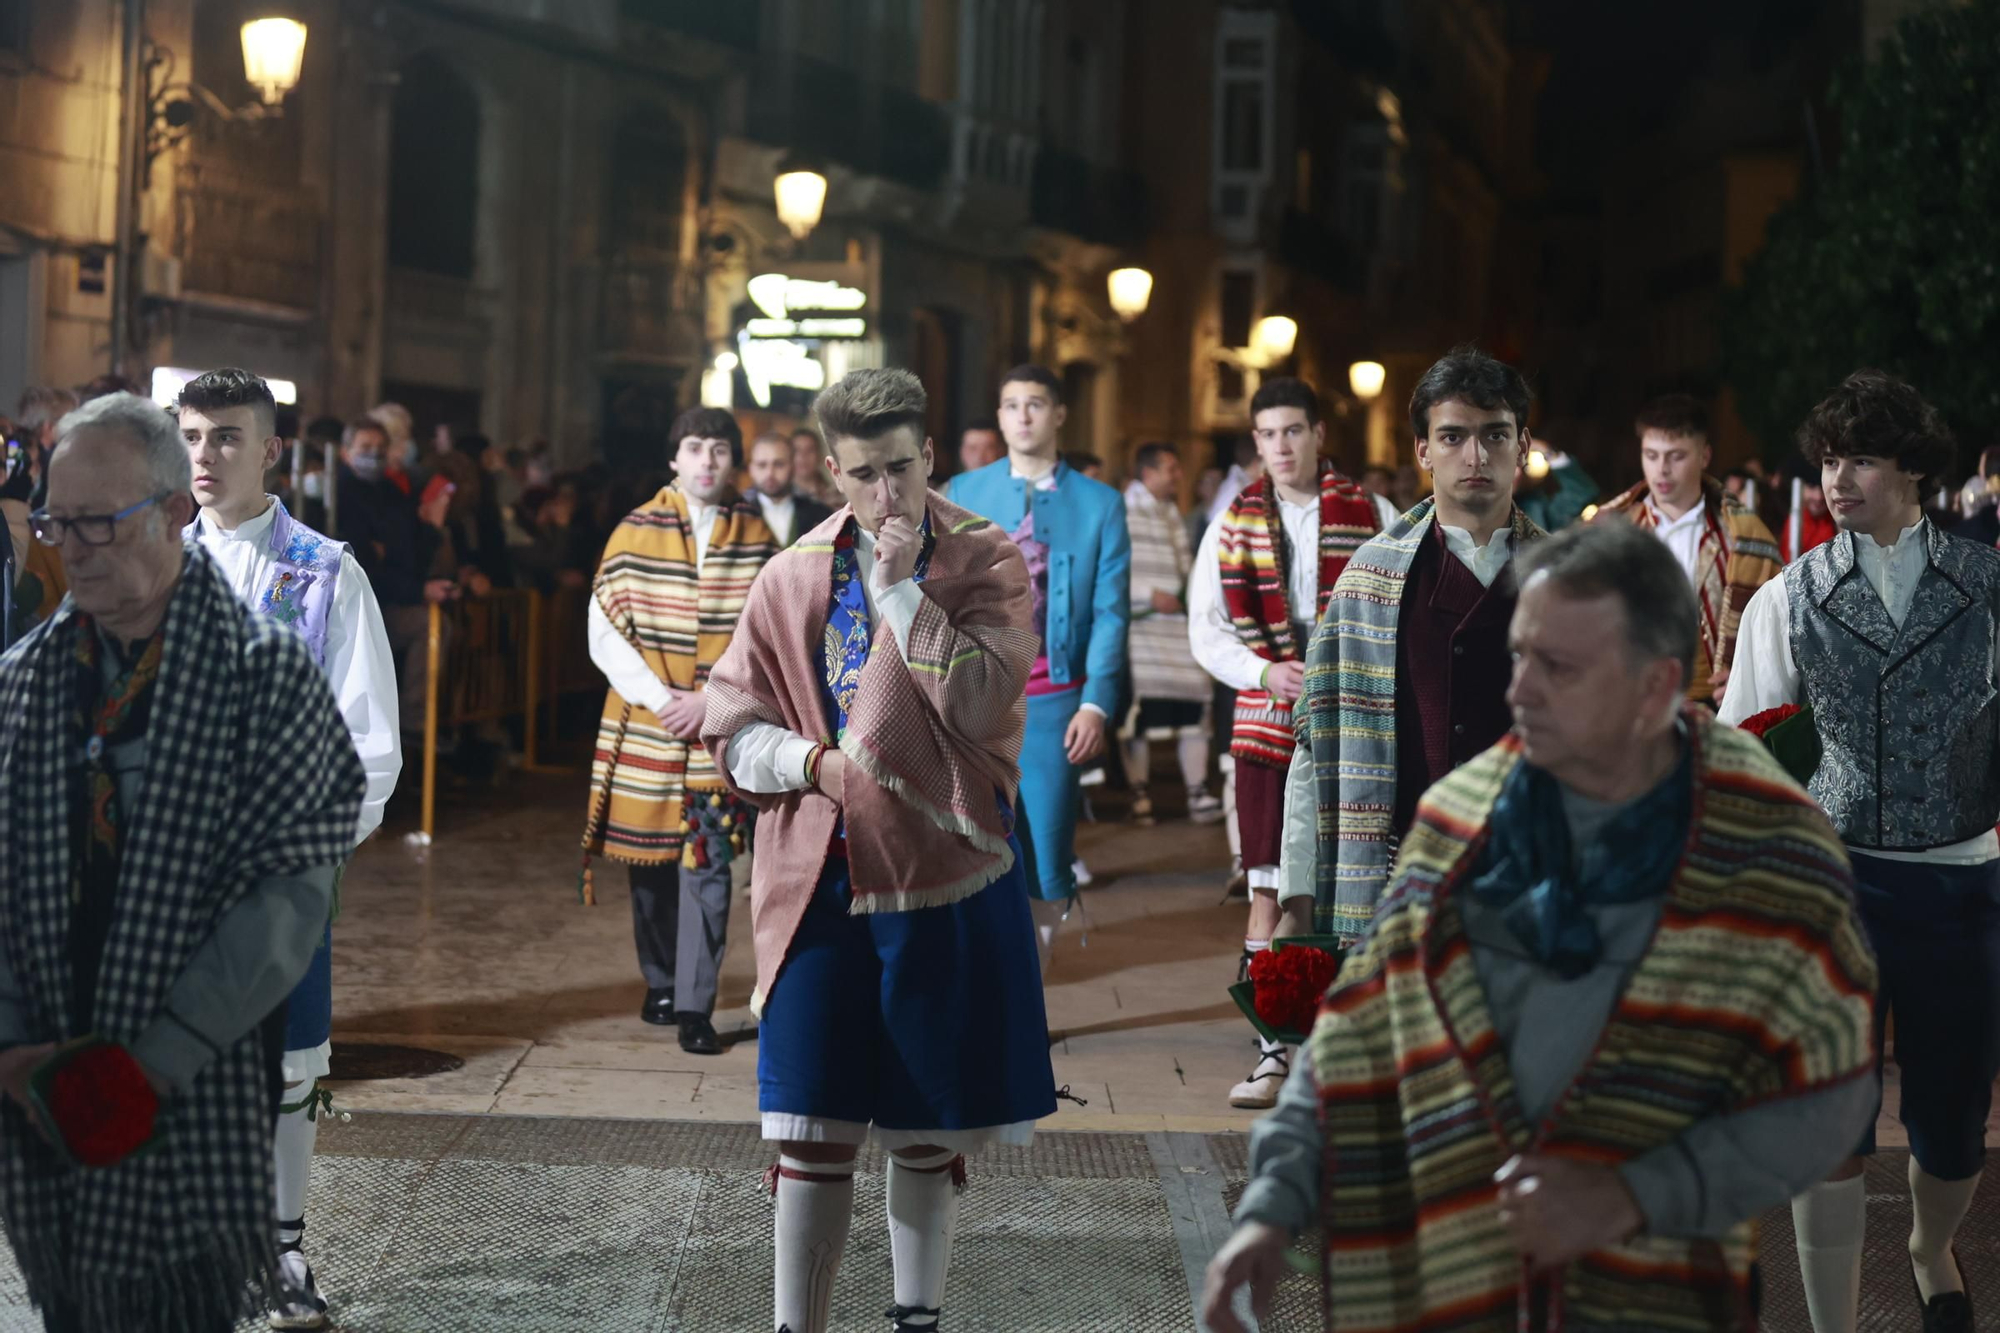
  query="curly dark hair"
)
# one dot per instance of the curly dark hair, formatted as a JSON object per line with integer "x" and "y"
{"x": 231, "y": 387}
{"x": 1873, "y": 414}
{"x": 1469, "y": 375}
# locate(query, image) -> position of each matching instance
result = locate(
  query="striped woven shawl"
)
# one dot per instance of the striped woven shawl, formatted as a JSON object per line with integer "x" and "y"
{"x": 680, "y": 623}
{"x": 1757, "y": 986}
{"x": 1347, "y": 714}
{"x": 1737, "y": 555}
{"x": 1256, "y": 583}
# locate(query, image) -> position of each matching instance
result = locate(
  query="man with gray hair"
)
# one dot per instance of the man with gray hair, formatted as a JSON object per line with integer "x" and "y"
{"x": 1613, "y": 1006}
{"x": 156, "y": 908}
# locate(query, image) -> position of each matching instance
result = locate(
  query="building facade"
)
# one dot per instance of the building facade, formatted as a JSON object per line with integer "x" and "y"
{"x": 557, "y": 220}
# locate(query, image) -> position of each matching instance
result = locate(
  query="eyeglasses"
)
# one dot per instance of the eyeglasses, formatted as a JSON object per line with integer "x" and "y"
{"x": 90, "y": 529}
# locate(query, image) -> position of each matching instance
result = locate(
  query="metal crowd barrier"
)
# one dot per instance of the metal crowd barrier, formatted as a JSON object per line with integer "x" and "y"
{"x": 512, "y": 653}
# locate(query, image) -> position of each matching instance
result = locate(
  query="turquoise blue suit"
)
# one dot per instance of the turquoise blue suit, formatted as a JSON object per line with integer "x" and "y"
{"x": 1088, "y": 607}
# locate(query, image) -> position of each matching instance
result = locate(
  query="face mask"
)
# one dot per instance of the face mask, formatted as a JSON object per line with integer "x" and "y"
{"x": 368, "y": 467}
{"x": 314, "y": 485}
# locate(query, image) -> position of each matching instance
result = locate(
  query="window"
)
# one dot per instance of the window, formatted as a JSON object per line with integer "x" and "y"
{"x": 434, "y": 170}
{"x": 1245, "y": 92}
{"x": 1242, "y": 127}
{"x": 1239, "y": 306}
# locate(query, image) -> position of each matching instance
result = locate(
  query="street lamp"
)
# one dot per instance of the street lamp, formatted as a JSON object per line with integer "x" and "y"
{"x": 801, "y": 194}
{"x": 1366, "y": 379}
{"x": 1130, "y": 289}
{"x": 1274, "y": 338}
{"x": 273, "y": 50}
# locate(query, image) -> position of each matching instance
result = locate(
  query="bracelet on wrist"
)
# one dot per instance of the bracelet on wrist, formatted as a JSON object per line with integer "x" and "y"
{"x": 812, "y": 764}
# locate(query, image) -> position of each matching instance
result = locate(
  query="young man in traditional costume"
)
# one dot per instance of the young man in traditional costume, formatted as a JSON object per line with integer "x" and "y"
{"x": 669, "y": 590}
{"x": 1170, "y": 690}
{"x": 1725, "y": 548}
{"x": 1261, "y": 582}
{"x": 302, "y": 579}
{"x": 1888, "y": 634}
{"x": 1071, "y": 532}
{"x": 1613, "y": 1006}
{"x": 1407, "y": 677}
{"x": 181, "y": 793}
{"x": 871, "y": 705}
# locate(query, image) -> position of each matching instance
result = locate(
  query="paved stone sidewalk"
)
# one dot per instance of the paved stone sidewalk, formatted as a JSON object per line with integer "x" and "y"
{"x": 517, "y": 1224}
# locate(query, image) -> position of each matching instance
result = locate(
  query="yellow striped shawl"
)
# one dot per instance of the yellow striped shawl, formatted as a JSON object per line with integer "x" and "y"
{"x": 1758, "y": 985}
{"x": 681, "y": 625}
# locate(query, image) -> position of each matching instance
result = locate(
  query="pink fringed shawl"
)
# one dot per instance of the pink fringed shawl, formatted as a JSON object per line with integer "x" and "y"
{"x": 934, "y": 742}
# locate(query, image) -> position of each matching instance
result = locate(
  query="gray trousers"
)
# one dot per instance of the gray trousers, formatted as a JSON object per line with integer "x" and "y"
{"x": 680, "y": 920}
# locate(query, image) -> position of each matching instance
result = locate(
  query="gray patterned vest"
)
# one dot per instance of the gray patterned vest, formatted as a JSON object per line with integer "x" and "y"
{"x": 1907, "y": 715}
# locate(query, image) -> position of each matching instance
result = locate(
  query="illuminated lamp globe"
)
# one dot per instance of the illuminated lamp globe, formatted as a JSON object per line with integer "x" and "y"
{"x": 1589, "y": 512}
{"x": 1131, "y": 289}
{"x": 1537, "y": 465}
{"x": 273, "y": 52}
{"x": 1274, "y": 338}
{"x": 1366, "y": 379}
{"x": 801, "y": 195}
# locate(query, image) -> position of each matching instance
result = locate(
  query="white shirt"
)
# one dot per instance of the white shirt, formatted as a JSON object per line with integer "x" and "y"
{"x": 1765, "y": 676}
{"x": 779, "y": 515}
{"x": 765, "y": 757}
{"x": 359, "y": 665}
{"x": 1486, "y": 561}
{"x": 618, "y": 659}
{"x": 1298, "y": 848}
{"x": 1682, "y": 535}
{"x": 1212, "y": 635}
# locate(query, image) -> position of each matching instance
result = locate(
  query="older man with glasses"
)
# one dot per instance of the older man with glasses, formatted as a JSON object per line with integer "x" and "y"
{"x": 181, "y": 790}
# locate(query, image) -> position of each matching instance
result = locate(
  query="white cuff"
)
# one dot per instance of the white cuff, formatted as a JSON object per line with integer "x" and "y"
{"x": 898, "y": 605}
{"x": 1093, "y": 708}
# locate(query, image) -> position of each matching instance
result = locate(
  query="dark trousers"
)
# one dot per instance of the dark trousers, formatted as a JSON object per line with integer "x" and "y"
{"x": 1936, "y": 934}
{"x": 680, "y": 921}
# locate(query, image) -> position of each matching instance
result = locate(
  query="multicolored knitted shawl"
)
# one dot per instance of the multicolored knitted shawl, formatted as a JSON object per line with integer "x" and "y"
{"x": 1347, "y": 715}
{"x": 1737, "y": 555}
{"x": 1256, "y": 581}
{"x": 681, "y": 624}
{"x": 1757, "y": 986}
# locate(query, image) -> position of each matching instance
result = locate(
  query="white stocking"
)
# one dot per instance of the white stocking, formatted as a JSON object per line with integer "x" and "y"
{"x": 923, "y": 1218}
{"x": 815, "y": 1209}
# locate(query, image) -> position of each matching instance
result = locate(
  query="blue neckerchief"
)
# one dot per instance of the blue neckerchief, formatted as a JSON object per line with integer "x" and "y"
{"x": 1528, "y": 874}
{"x": 849, "y": 628}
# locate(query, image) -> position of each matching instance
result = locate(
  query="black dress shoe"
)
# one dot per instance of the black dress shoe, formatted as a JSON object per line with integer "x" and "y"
{"x": 698, "y": 1035}
{"x": 658, "y": 1008}
{"x": 1948, "y": 1311}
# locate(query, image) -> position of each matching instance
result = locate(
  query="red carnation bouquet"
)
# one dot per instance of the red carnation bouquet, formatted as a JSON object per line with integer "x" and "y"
{"x": 94, "y": 1102}
{"x": 1287, "y": 981}
{"x": 1789, "y": 734}
{"x": 1760, "y": 724}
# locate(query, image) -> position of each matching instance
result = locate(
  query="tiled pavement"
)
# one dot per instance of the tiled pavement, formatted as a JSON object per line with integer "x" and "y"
{"x": 547, "y": 1162}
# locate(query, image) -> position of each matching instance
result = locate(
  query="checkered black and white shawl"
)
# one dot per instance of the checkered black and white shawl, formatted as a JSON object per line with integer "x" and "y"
{"x": 249, "y": 773}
